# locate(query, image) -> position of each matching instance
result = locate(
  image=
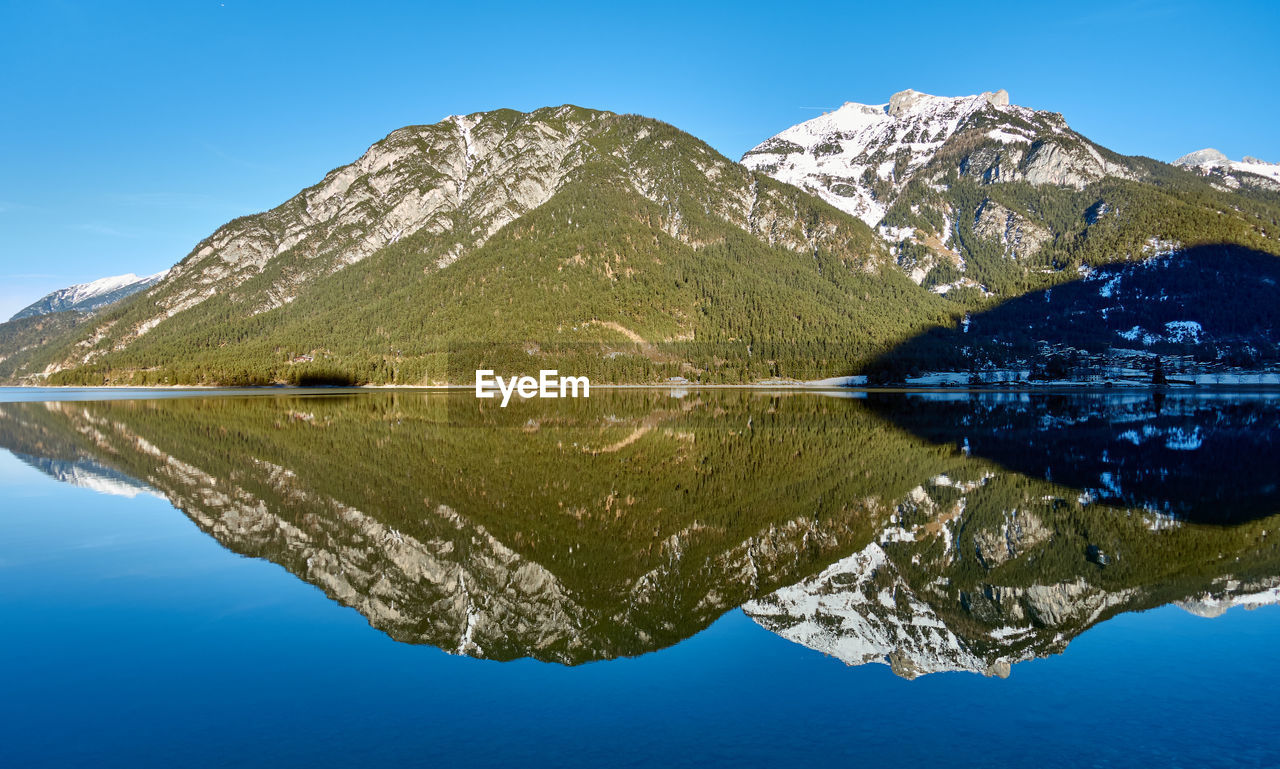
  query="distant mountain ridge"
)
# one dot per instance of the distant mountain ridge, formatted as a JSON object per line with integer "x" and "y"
{"x": 91, "y": 296}
{"x": 1231, "y": 174}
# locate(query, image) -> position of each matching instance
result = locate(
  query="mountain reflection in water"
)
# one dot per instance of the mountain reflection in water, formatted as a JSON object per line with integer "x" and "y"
{"x": 963, "y": 532}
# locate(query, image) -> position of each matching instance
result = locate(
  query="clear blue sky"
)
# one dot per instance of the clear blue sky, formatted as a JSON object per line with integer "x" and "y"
{"x": 132, "y": 130}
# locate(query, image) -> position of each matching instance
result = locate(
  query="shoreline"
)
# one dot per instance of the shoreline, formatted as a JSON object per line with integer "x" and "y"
{"x": 819, "y": 386}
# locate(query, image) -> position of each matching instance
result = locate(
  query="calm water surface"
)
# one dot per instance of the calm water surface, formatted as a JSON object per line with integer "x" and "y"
{"x": 644, "y": 578}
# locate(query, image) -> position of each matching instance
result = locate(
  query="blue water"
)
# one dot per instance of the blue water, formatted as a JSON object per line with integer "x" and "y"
{"x": 130, "y": 638}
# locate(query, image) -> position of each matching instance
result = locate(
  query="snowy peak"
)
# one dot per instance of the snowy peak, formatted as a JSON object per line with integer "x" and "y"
{"x": 1205, "y": 158}
{"x": 1215, "y": 603}
{"x": 103, "y": 286}
{"x": 894, "y": 166}
{"x": 91, "y": 296}
{"x": 862, "y": 610}
{"x": 1211, "y": 162}
{"x": 904, "y": 102}
{"x": 88, "y": 474}
{"x": 861, "y": 156}
{"x": 914, "y": 119}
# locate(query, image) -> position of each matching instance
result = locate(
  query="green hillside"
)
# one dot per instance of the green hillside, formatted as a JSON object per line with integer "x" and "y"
{"x": 713, "y": 273}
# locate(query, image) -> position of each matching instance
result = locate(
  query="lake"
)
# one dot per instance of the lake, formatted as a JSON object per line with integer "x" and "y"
{"x": 645, "y": 577}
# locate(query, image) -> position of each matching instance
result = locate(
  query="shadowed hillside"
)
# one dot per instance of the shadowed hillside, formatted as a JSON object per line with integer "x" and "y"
{"x": 1209, "y": 306}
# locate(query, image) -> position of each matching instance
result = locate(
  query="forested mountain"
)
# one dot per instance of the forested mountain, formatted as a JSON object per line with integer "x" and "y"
{"x": 558, "y": 231}
{"x": 618, "y": 247}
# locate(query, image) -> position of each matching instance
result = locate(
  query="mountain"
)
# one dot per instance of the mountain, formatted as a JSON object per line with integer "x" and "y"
{"x": 615, "y": 236}
{"x": 861, "y": 156}
{"x": 91, "y": 296}
{"x": 1058, "y": 249}
{"x": 23, "y": 339}
{"x": 872, "y": 608}
{"x": 981, "y": 196}
{"x": 1232, "y": 174}
{"x": 928, "y": 233}
{"x": 87, "y": 474}
{"x": 481, "y": 531}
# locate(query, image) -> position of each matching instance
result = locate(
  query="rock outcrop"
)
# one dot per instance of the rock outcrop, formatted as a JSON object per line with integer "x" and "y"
{"x": 1018, "y": 236}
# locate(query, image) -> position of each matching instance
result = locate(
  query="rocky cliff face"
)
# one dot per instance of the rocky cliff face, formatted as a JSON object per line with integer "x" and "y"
{"x": 467, "y": 176}
{"x": 1016, "y": 235}
{"x": 460, "y": 179}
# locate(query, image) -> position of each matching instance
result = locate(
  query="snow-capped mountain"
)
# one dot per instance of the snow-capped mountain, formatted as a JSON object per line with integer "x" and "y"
{"x": 91, "y": 296}
{"x": 861, "y": 156}
{"x": 910, "y": 167}
{"x": 1231, "y": 174}
{"x": 981, "y": 198}
{"x": 1228, "y": 595}
{"x": 861, "y": 610}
